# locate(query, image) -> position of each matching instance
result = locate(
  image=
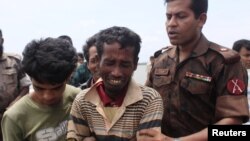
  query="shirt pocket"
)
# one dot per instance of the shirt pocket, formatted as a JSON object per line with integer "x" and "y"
{"x": 195, "y": 86}
{"x": 10, "y": 76}
{"x": 161, "y": 77}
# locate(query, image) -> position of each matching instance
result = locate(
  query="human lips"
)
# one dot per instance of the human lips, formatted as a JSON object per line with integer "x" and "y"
{"x": 172, "y": 34}
{"x": 115, "y": 81}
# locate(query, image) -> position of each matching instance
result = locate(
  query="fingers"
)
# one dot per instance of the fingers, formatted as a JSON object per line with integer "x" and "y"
{"x": 148, "y": 132}
{"x": 89, "y": 139}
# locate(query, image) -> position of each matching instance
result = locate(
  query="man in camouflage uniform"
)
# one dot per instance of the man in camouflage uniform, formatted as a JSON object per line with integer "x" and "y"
{"x": 201, "y": 82}
{"x": 80, "y": 76}
{"x": 14, "y": 83}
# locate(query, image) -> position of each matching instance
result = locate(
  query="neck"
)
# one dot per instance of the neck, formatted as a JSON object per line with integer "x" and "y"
{"x": 186, "y": 50}
{"x": 95, "y": 78}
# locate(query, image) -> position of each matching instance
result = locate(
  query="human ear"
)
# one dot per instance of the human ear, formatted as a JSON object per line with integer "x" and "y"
{"x": 202, "y": 19}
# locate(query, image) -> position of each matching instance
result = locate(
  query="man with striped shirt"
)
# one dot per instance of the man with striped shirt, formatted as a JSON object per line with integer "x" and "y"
{"x": 115, "y": 108}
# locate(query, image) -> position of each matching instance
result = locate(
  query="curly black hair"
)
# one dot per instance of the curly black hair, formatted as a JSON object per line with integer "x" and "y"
{"x": 50, "y": 60}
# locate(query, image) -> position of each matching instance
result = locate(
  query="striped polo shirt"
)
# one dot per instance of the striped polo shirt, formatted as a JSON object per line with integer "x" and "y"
{"x": 141, "y": 109}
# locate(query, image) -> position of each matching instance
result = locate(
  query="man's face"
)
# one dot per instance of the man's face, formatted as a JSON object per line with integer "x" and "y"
{"x": 93, "y": 62}
{"x": 79, "y": 60}
{"x": 245, "y": 57}
{"x": 181, "y": 25}
{"x": 116, "y": 67}
{"x": 47, "y": 94}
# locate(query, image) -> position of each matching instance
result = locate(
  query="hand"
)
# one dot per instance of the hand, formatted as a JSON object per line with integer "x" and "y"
{"x": 89, "y": 139}
{"x": 151, "y": 135}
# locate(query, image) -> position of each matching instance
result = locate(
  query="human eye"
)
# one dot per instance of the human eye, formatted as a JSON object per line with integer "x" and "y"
{"x": 93, "y": 61}
{"x": 126, "y": 65}
{"x": 37, "y": 88}
{"x": 181, "y": 15}
{"x": 57, "y": 88}
{"x": 108, "y": 63}
{"x": 168, "y": 16}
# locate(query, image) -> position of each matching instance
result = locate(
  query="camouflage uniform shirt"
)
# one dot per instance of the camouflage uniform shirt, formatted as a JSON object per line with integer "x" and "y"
{"x": 206, "y": 87}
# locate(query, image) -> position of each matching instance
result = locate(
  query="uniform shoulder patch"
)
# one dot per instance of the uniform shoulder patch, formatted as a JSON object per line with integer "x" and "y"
{"x": 236, "y": 86}
{"x": 229, "y": 55}
{"x": 160, "y": 51}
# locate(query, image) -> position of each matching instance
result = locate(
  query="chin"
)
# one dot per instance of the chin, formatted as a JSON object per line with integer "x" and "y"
{"x": 114, "y": 88}
{"x": 175, "y": 43}
{"x": 53, "y": 103}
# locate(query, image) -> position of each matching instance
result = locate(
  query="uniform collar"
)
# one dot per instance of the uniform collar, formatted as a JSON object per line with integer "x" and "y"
{"x": 200, "y": 48}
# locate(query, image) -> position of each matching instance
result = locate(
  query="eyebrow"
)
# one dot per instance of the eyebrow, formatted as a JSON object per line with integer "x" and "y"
{"x": 178, "y": 12}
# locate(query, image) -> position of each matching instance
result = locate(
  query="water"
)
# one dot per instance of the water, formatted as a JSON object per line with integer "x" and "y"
{"x": 140, "y": 75}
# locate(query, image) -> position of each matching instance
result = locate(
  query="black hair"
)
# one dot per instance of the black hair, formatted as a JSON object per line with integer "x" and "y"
{"x": 197, "y": 6}
{"x": 66, "y": 37}
{"x": 79, "y": 54}
{"x": 89, "y": 43}
{"x": 50, "y": 60}
{"x": 242, "y": 43}
{"x": 124, "y": 36}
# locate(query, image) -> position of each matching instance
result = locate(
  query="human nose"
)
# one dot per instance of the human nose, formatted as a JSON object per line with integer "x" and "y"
{"x": 116, "y": 72}
{"x": 48, "y": 95}
{"x": 171, "y": 21}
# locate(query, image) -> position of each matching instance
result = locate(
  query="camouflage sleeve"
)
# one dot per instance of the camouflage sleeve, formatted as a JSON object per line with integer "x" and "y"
{"x": 231, "y": 87}
{"x": 23, "y": 79}
{"x": 80, "y": 76}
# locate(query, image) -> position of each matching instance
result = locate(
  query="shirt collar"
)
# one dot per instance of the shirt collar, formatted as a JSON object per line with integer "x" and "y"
{"x": 106, "y": 100}
{"x": 132, "y": 95}
{"x": 200, "y": 48}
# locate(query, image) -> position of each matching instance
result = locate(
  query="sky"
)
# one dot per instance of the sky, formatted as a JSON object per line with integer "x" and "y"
{"x": 24, "y": 20}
